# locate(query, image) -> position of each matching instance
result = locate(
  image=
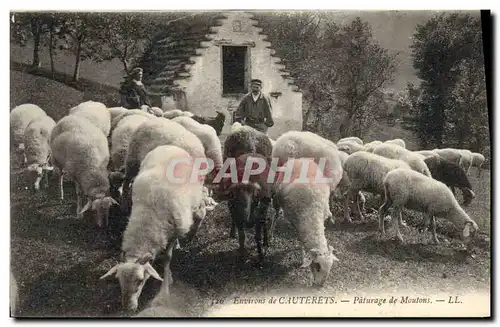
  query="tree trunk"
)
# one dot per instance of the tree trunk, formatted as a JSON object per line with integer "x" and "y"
{"x": 51, "y": 51}
{"x": 76, "y": 73}
{"x": 125, "y": 66}
{"x": 36, "y": 30}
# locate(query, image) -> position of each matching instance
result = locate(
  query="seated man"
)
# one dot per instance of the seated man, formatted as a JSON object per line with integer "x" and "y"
{"x": 255, "y": 109}
{"x": 132, "y": 91}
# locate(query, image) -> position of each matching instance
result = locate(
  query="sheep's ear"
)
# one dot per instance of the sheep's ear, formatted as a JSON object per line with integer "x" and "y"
{"x": 111, "y": 272}
{"x": 144, "y": 259}
{"x": 86, "y": 207}
{"x": 152, "y": 271}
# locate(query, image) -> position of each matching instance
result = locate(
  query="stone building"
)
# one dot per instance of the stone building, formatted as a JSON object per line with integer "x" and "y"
{"x": 204, "y": 63}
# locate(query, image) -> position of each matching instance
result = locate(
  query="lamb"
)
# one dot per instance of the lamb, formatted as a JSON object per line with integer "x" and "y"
{"x": 399, "y": 142}
{"x": 216, "y": 122}
{"x": 170, "y": 114}
{"x": 350, "y": 147}
{"x": 251, "y": 199}
{"x": 452, "y": 175}
{"x": 20, "y": 117}
{"x": 37, "y": 149}
{"x": 351, "y": 139}
{"x": 164, "y": 209}
{"x": 115, "y": 121}
{"x": 306, "y": 205}
{"x": 477, "y": 161}
{"x": 208, "y": 137}
{"x": 154, "y": 132}
{"x": 409, "y": 189}
{"x": 366, "y": 171}
{"x": 96, "y": 112}
{"x": 121, "y": 136}
{"x": 393, "y": 151}
{"x": 80, "y": 149}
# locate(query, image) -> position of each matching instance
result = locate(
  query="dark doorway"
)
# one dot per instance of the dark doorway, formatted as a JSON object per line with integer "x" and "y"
{"x": 234, "y": 69}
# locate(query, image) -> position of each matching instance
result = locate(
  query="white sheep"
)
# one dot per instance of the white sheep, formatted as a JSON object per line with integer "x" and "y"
{"x": 350, "y": 139}
{"x": 130, "y": 112}
{"x": 477, "y": 161}
{"x": 366, "y": 172}
{"x": 171, "y": 114}
{"x": 80, "y": 150}
{"x": 303, "y": 144}
{"x": 344, "y": 183}
{"x": 164, "y": 209}
{"x": 235, "y": 126}
{"x": 370, "y": 146}
{"x": 121, "y": 136}
{"x": 399, "y": 142}
{"x": 116, "y": 111}
{"x": 207, "y": 136}
{"x": 20, "y": 117}
{"x": 466, "y": 160}
{"x": 96, "y": 112}
{"x": 154, "y": 132}
{"x": 350, "y": 147}
{"x": 37, "y": 149}
{"x": 461, "y": 157}
{"x": 426, "y": 153}
{"x": 394, "y": 151}
{"x": 408, "y": 189}
{"x": 306, "y": 205}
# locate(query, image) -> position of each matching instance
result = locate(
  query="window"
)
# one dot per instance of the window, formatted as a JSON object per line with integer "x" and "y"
{"x": 234, "y": 70}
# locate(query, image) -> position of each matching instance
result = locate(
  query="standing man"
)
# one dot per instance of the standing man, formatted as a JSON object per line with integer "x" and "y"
{"x": 132, "y": 91}
{"x": 255, "y": 109}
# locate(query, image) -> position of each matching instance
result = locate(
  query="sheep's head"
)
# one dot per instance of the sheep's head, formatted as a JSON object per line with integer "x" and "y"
{"x": 468, "y": 196}
{"x": 101, "y": 205}
{"x": 469, "y": 233}
{"x": 132, "y": 276}
{"x": 320, "y": 264}
{"x": 33, "y": 174}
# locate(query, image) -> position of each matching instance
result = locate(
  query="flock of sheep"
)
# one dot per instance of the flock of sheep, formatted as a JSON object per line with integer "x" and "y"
{"x": 118, "y": 157}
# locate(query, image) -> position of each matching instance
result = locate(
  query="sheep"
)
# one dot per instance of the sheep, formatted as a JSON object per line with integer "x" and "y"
{"x": 306, "y": 205}
{"x": 452, "y": 175}
{"x": 350, "y": 139}
{"x": 170, "y": 114}
{"x": 302, "y": 144}
{"x": 477, "y": 161}
{"x": 116, "y": 111}
{"x": 251, "y": 199}
{"x": 345, "y": 182}
{"x": 120, "y": 139}
{"x": 216, "y": 122}
{"x": 37, "y": 150}
{"x": 152, "y": 110}
{"x": 370, "y": 146}
{"x": 350, "y": 147}
{"x": 399, "y": 142}
{"x": 235, "y": 126}
{"x": 466, "y": 160}
{"x": 409, "y": 189}
{"x": 80, "y": 149}
{"x": 14, "y": 295}
{"x": 165, "y": 208}
{"x": 366, "y": 171}
{"x": 208, "y": 137}
{"x": 393, "y": 151}
{"x": 115, "y": 121}
{"x": 458, "y": 156}
{"x": 426, "y": 153}
{"x": 20, "y": 117}
{"x": 96, "y": 112}
{"x": 154, "y": 132}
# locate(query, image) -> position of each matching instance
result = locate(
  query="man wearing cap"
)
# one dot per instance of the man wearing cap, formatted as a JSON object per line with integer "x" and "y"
{"x": 255, "y": 109}
{"x": 132, "y": 91}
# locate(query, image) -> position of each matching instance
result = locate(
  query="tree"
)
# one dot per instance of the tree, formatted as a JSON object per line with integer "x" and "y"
{"x": 84, "y": 37}
{"x": 27, "y": 25}
{"x": 447, "y": 53}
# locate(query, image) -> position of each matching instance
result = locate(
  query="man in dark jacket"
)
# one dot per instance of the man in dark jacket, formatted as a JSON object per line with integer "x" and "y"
{"x": 255, "y": 109}
{"x": 132, "y": 91}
